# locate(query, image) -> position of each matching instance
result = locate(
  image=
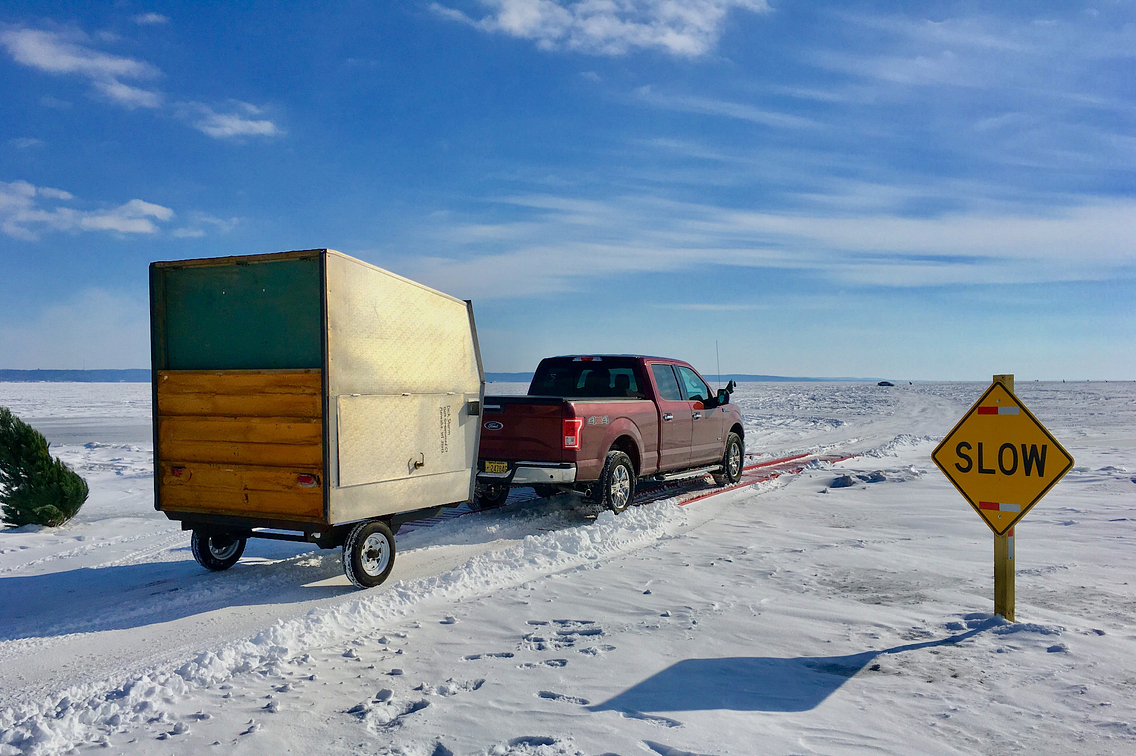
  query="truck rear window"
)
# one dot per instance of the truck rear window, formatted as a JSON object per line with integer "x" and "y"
{"x": 586, "y": 379}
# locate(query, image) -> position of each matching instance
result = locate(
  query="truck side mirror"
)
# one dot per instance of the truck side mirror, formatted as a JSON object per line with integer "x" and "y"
{"x": 723, "y": 396}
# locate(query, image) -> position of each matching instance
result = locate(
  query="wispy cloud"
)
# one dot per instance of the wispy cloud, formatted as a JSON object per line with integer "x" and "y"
{"x": 609, "y": 27}
{"x": 26, "y": 211}
{"x": 240, "y": 119}
{"x": 151, "y": 19}
{"x": 24, "y": 143}
{"x": 558, "y": 243}
{"x": 198, "y": 222}
{"x": 70, "y": 53}
{"x": 725, "y": 108}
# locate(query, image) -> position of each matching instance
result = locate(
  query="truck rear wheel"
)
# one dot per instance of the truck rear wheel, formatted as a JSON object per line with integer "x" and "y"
{"x": 216, "y": 551}
{"x": 368, "y": 554}
{"x": 732, "y": 461}
{"x": 617, "y": 482}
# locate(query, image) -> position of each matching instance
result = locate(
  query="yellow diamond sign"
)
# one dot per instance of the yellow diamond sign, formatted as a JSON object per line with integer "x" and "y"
{"x": 1001, "y": 458}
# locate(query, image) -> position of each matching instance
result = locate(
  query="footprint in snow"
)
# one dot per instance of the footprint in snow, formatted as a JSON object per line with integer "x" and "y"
{"x": 651, "y": 718}
{"x": 500, "y": 655}
{"x": 546, "y": 663}
{"x": 665, "y": 750}
{"x": 548, "y": 694}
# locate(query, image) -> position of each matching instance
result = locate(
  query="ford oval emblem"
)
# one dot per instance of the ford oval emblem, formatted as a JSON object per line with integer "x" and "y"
{"x": 493, "y": 425}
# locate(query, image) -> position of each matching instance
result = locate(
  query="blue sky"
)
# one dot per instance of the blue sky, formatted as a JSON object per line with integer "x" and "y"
{"x": 940, "y": 190}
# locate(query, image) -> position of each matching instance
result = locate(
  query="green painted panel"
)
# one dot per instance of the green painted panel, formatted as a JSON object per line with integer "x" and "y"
{"x": 252, "y": 316}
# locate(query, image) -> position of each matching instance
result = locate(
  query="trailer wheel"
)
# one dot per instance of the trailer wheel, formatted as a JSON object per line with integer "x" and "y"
{"x": 368, "y": 554}
{"x": 617, "y": 482}
{"x": 731, "y": 461}
{"x": 216, "y": 551}
{"x": 489, "y": 496}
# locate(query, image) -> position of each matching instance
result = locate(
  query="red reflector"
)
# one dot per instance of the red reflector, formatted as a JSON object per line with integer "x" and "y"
{"x": 307, "y": 481}
{"x": 177, "y": 472}
{"x": 572, "y": 428}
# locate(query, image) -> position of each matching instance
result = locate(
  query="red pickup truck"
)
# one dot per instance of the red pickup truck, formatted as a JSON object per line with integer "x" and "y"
{"x": 599, "y": 424}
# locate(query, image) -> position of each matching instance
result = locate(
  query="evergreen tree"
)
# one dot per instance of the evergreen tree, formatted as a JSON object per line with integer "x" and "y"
{"x": 35, "y": 489}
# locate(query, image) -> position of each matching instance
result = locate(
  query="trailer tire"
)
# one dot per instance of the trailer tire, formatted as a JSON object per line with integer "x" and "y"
{"x": 617, "y": 482}
{"x": 216, "y": 551}
{"x": 489, "y": 496}
{"x": 368, "y": 554}
{"x": 733, "y": 460}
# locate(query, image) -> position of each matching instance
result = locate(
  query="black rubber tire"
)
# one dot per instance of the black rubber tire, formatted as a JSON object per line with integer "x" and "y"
{"x": 368, "y": 554}
{"x": 216, "y": 551}
{"x": 544, "y": 491}
{"x": 733, "y": 461}
{"x": 489, "y": 497}
{"x": 616, "y": 486}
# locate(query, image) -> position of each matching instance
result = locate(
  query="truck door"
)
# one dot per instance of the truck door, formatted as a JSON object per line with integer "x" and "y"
{"x": 675, "y": 420}
{"x": 707, "y": 442}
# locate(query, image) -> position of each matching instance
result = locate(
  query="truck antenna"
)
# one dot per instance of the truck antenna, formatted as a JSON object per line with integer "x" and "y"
{"x": 718, "y": 359}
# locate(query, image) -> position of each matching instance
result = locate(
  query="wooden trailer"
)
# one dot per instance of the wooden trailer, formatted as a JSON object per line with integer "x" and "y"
{"x": 309, "y": 396}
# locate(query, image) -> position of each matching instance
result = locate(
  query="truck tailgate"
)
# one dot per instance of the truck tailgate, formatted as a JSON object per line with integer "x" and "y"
{"x": 516, "y": 428}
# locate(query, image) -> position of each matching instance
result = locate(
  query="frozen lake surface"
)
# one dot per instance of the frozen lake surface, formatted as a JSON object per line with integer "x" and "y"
{"x": 786, "y": 617}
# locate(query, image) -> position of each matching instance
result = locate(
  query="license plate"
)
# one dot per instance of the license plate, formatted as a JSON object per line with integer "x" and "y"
{"x": 496, "y": 467}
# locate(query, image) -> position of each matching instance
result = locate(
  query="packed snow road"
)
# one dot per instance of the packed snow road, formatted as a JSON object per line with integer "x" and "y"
{"x": 784, "y": 610}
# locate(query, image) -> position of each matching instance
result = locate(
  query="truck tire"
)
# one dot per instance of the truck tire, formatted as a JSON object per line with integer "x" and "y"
{"x": 489, "y": 497}
{"x": 732, "y": 461}
{"x": 216, "y": 551}
{"x": 368, "y": 554}
{"x": 617, "y": 482}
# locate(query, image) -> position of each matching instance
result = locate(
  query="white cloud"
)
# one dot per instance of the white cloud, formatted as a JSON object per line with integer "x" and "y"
{"x": 558, "y": 243}
{"x": 93, "y": 329}
{"x": 58, "y": 53}
{"x": 195, "y": 230}
{"x": 740, "y": 111}
{"x": 240, "y": 120}
{"x": 151, "y": 19}
{"x": 26, "y": 211}
{"x": 609, "y": 27}
{"x": 23, "y": 143}
{"x": 71, "y": 54}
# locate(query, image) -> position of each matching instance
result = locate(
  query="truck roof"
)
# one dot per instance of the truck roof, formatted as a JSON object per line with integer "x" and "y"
{"x": 632, "y": 356}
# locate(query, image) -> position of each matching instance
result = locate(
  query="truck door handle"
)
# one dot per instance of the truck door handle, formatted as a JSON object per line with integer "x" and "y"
{"x": 668, "y": 416}
{"x": 697, "y": 415}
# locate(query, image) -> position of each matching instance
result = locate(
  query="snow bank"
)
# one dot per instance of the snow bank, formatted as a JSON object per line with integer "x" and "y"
{"x": 88, "y": 714}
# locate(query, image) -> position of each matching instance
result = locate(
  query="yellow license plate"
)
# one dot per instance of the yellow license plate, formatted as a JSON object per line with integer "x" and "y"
{"x": 496, "y": 467}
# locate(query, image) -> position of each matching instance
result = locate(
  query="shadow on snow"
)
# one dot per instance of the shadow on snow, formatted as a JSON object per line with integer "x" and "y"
{"x": 756, "y": 683}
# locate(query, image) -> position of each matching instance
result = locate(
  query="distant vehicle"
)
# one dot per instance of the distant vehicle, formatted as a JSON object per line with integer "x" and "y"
{"x": 598, "y": 424}
{"x": 885, "y": 383}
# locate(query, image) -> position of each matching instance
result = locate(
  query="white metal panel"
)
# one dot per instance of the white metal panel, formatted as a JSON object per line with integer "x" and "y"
{"x": 394, "y": 496}
{"x": 389, "y": 335}
{"x": 402, "y": 370}
{"x": 385, "y": 438}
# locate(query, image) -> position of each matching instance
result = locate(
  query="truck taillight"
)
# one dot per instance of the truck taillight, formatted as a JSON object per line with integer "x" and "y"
{"x": 572, "y": 428}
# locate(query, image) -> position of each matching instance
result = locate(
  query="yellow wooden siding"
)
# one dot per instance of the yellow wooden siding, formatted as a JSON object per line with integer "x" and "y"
{"x": 239, "y": 441}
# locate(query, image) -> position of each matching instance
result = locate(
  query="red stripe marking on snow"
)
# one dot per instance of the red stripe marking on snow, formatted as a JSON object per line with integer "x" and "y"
{"x": 771, "y": 462}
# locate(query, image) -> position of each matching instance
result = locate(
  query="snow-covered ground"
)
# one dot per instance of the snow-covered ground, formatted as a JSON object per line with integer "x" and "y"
{"x": 782, "y": 618}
